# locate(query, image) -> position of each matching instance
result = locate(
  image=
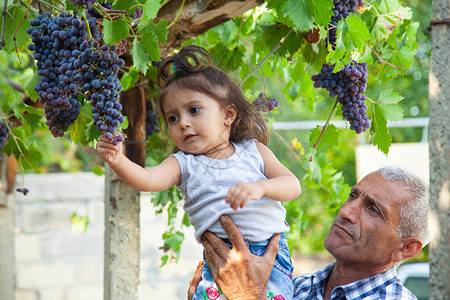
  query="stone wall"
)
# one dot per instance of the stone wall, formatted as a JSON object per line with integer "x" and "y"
{"x": 54, "y": 262}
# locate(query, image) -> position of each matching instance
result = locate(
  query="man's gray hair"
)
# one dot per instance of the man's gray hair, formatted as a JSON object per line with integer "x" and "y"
{"x": 414, "y": 213}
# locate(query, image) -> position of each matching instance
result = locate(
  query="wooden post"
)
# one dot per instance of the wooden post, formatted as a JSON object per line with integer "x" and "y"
{"x": 439, "y": 143}
{"x": 8, "y": 168}
{"x": 122, "y": 209}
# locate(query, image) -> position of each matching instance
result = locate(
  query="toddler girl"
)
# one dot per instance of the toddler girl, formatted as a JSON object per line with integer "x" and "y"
{"x": 221, "y": 163}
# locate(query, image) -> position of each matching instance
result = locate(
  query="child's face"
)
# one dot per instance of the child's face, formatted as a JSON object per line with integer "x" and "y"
{"x": 197, "y": 123}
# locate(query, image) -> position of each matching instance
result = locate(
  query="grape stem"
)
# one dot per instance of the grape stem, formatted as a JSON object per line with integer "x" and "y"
{"x": 286, "y": 144}
{"x": 178, "y": 14}
{"x": 371, "y": 100}
{"x": 17, "y": 29}
{"x": 2, "y": 42}
{"x": 323, "y": 130}
{"x": 383, "y": 62}
{"x": 13, "y": 136}
{"x": 87, "y": 26}
{"x": 259, "y": 65}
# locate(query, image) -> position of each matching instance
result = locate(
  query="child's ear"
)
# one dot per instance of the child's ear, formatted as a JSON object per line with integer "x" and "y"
{"x": 230, "y": 114}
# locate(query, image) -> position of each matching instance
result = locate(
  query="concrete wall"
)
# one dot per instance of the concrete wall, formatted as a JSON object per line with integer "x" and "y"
{"x": 53, "y": 262}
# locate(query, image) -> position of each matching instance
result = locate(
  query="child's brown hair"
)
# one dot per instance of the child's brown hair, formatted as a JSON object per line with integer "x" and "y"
{"x": 193, "y": 70}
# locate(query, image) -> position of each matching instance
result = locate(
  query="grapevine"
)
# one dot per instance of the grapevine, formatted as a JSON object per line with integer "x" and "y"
{"x": 263, "y": 104}
{"x": 341, "y": 10}
{"x": 349, "y": 85}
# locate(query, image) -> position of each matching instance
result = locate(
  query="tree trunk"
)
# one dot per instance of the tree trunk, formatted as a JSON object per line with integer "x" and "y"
{"x": 122, "y": 209}
{"x": 439, "y": 143}
{"x": 8, "y": 168}
{"x": 196, "y": 17}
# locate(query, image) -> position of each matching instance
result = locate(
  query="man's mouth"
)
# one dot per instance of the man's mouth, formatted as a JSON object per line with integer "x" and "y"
{"x": 342, "y": 228}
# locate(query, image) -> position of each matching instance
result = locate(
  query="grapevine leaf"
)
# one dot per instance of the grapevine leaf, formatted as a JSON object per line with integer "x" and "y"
{"x": 70, "y": 6}
{"x": 151, "y": 8}
{"x": 379, "y": 131}
{"x": 150, "y": 43}
{"x": 114, "y": 31}
{"x": 141, "y": 61}
{"x": 352, "y": 34}
{"x": 298, "y": 13}
{"x": 30, "y": 79}
{"x": 384, "y": 26}
{"x": 124, "y": 4}
{"x": 251, "y": 81}
{"x": 98, "y": 170}
{"x": 322, "y": 11}
{"x": 159, "y": 30}
{"x": 129, "y": 79}
{"x": 78, "y": 129}
{"x": 387, "y": 102}
{"x": 28, "y": 154}
{"x": 329, "y": 138}
{"x": 16, "y": 13}
{"x": 31, "y": 123}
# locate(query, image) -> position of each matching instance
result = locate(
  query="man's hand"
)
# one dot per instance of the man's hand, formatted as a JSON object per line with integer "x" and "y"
{"x": 195, "y": 280}
{"x": 240, "y": 274}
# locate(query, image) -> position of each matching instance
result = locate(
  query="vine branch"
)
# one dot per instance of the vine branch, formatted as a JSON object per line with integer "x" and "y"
{"x": 2, "y": 41}
{"x": 259, "y": 65}
{"x": 282, "y": 139}
{"x": 323, "y": 129}
{"x": 178, "y": 14}
{"x": 14, "y": 137}
{"x": 383, "y": 62}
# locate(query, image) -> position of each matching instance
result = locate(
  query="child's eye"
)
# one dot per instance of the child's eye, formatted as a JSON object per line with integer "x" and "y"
{"x": 194, "y": 110}
{"x": 172, "y": 119}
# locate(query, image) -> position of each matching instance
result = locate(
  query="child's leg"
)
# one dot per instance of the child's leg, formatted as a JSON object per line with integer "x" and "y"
{"x": 280, "y": 285}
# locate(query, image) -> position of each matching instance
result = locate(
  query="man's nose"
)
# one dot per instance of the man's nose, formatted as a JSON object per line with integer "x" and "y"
{"x": 350, "y": 210}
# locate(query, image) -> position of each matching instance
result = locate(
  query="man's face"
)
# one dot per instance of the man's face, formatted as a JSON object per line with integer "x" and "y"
{"x": 364, "y": 231}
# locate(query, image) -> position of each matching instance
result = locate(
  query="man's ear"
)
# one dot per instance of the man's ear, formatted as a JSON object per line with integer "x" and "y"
{"x": 230, "y": 113}
{"x": 410, "y": 247}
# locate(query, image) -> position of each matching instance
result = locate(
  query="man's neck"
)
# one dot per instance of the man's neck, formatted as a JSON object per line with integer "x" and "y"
{"x": 343, "y": 274}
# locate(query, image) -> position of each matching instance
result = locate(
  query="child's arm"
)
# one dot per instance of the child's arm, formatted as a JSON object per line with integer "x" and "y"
{"x": 157, "y": 178}
{"x": 280, "y": 184}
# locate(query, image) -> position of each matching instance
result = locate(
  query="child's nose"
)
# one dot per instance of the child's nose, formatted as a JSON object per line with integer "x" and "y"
{"x": 185, "y": 122}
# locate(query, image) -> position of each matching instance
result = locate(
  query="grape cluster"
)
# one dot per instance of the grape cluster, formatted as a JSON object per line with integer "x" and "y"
{"x": 263, "y": 104}
{"x": 4, "y": 134}
{"x": 56, "y": 44}
{"x": 24, "y": 191}
{"x": 349, "y": 85}
{"x": 83, "y": 3}
{"x": 137, "y": 14}
{"x": 151, "y": 120}
{"x": 96, "y": 73}
{"x": 342, "y": 9}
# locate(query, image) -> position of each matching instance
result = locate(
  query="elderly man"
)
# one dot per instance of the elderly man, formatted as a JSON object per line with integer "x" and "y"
{"x": 383, "y": 222}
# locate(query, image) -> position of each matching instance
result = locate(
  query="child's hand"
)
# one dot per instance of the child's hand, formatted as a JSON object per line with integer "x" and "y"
{"x": 108, "y": 151}
{"x": 242, "y": 192}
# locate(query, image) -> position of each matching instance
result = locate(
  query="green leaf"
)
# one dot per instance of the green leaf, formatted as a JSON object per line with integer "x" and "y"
{"x": 323, "y": 11}
{"x": 151, "y": 8}
{"x": 150, "y": 43}
{"x": 329, "y": 138}
{"x": 381, "y": 137}
{"x": 141, "y": 60}
{"x": 16, "y": 13}
{"x": 98, "y": 170}
{"x": 115, "y": 30}
{"x": 124, "y": 4}
{"x": 352, "y": 33}
{"x": 78, "y": 129}
{"x": 384, "y": 26}
{"x": 298, "y": 13}
{"x": 387, "y": 102}
{"x": 129, "y": 78}
{"x": 30, "y": 79}
{"x": 159, "y": 30}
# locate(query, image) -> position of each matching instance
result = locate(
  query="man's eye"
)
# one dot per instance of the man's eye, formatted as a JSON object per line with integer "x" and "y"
{"x": 374, "y": 210}
{"x": 172, "y": 119}
{"x": 194, "y": 109}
